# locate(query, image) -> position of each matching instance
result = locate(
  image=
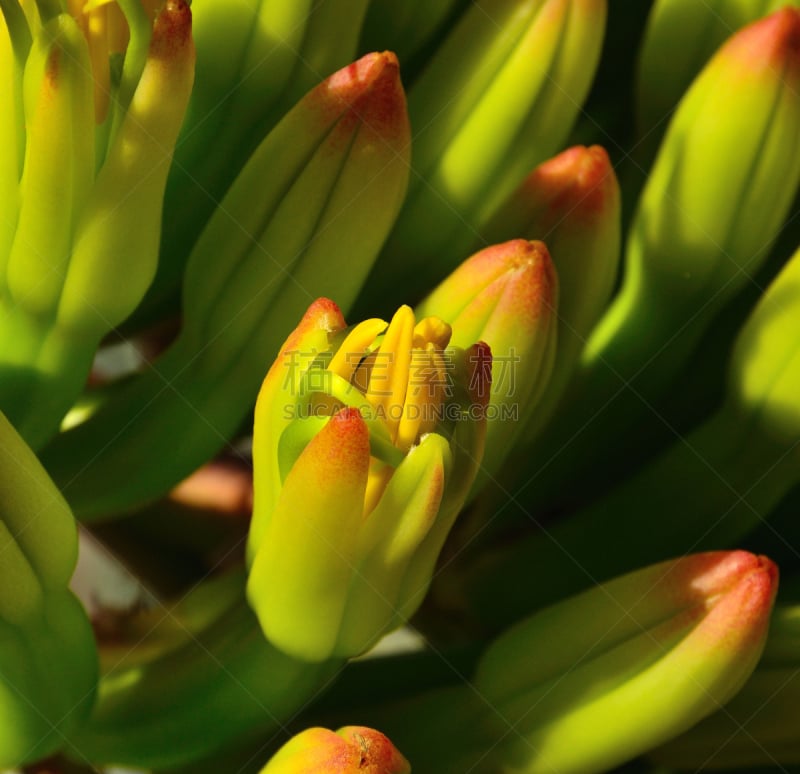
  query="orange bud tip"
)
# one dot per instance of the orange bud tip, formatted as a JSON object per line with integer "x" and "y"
{"x": 377, "y": 754}
{"x": 748, "y": 603}
{"x": 52, "y": 67}
{"x": 323, "y": 314}
{"x": 578, "y": 183}
{"x": 527, "y": 275}
{"x": 172, "y": 31}
{"x": 349, "y": 416}
{"x": 717, "y": 572}
{"x": 736, "y": 587}
{"x": 371, "y": 91}
{"x": 772, "y": 42}
{"x": 507, "y": 256}
{"x": 350, "y": 750}
{"x": 345, "y": 443}
{"x": 536, "y": 290}
{"x": 524, "y": 264}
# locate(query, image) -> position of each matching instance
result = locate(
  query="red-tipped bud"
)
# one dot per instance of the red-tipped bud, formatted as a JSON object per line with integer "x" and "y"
{"x": 572, "y": 203}
{"x": 507, "y": 296}
{"x": 661, "y": 647}
{"x": 351, "y": 750}
{"x": 366, "y": 442}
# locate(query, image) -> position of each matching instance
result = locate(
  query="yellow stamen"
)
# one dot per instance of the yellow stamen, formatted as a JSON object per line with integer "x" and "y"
{"x": 434, "y": 330}
{"x": 354, "y": 347}
{"x": 426, "y": 381}
{"x": 401, "y": 370}
{"x": 417, "y": 401}
{"x": 106, "y": 31}
{"x": 389, "y": 378}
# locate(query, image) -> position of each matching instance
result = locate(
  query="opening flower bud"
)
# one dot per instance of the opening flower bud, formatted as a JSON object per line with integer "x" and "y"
{"x": 366, "y": 442}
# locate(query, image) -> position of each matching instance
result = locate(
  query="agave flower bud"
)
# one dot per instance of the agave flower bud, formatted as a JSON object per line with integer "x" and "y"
{"x": 70, "y": 269}
{"x": 758, "y": 727}
{"x": 572, "y": 202}
{"x": 89, "y": 197}
{"x": 685, "y": 33}
{"x": 59, "y": 164}
{"x": 515, "y": 72}
{"x": 691, "y": 492}
{"x": 715, "y": 200}
{"x": 337, "y": 162}
{"x": 281, "y": 50}
{"x": 507, "y": 296}
{"x": 350, "y": 750}
{"x": 48, "y": 661}
{"x": 627, "y": 665}
{"x": 121, "y": 223}
{"x": 307, "y": 214}
{"x": 365, "y": 445}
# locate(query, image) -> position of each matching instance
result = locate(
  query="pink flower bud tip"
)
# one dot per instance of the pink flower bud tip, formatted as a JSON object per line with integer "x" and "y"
{"x": 736, "y": 587}
{"x": 530, "y": 283}
{"x": 377, "y": 754}
{"x": 769, "y": 44}
{"x": 370, "y": 87}
{"x": 578, "y": 182}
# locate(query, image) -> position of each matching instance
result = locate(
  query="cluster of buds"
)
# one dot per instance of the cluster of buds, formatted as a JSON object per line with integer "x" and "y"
{"x": 85, "y": 154}
{"x": 483, "y": 472}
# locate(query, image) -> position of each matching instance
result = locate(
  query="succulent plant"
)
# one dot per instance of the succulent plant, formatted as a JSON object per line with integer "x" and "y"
{"x": 518, "y": 517}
